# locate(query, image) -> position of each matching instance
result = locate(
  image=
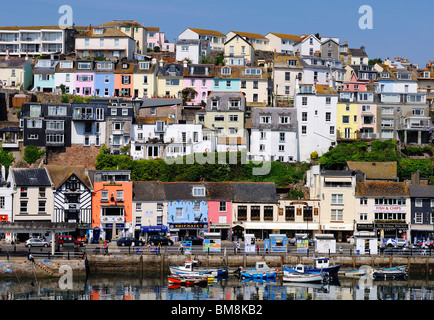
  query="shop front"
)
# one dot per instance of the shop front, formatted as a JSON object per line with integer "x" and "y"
{"x": 179, "y": 230}
{"x": 340, "y": 231}
{"x": 146, "y": 231}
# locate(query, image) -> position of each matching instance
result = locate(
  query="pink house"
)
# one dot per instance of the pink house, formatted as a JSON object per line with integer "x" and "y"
{"x": 198, "y": 77}
{"x": 354, "y": 84}
{"x": 220, "y": 208}
{"x": 84, "y": 79}
{"x": 156, "y": 38}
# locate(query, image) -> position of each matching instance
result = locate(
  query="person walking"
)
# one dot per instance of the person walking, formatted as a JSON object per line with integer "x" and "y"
{"x": 238, "y": 246}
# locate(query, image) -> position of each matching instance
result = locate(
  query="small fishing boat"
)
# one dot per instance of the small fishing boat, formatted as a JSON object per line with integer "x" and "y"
{"x": 321, "y": 265}
{"x": 192, "y": 267}
{"x": 306, "y": 277}
{"x": 187, "y": 280}
{"x": 390, "y": 273}
{"x": 362, "y": 271}
{"x": 261, "y": 271}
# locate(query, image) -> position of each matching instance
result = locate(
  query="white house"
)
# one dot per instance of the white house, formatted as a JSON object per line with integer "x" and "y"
{"x": 316, "y": 117}
{"x": 88, "y": 124}
{"x": 65, "y": 76}
{"x": 5, "y": 197}
{"x": 216, "y": 39}
{"x": 308, "y": 45}
{"x": 273, "y": 134}
{"x": 191, "y": 50}
{"x": 282, "y": 43}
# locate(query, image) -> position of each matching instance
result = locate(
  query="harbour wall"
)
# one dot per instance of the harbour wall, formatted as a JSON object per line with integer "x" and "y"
{"x": 137, "y": 263}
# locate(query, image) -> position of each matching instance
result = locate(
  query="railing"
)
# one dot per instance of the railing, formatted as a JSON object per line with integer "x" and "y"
{"x": 83, "y": 116}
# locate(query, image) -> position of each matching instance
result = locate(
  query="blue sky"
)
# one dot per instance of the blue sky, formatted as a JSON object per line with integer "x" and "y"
{"x": 400, "y": 28}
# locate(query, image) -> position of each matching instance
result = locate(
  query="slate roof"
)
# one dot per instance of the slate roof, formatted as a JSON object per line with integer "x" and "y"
{"x": 422, "y": 191}
{"x": 382, "y": 189}
{"x": 30, "y": 177}
{"x": 219, "y": 191}
{"x": 12, "y": 63}
{"x": 59, "y": 174}
{"x": 183, "y": 190}
{"x": 165, "y": 70}
{"x": 148, "y": 191}
{"x": 358, "y": 53}
{"x": 255, "y": 192}
{"x": 375, "y": 170}
{"x": 275, "y": 114}
{"x": 109, "y": 32}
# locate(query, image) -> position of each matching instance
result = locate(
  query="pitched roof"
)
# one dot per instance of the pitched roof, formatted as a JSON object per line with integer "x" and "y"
{"x": 422, "y": 191}
{"x": 109, "y": 32}
{"x": 30, "y": 177}
{"x": 286, "y": 36}
{"x": 375, "y": 170}
{"x": 12, "y": 63}
{"x": 122, "y": 23}
{"x": 358, "y": 53}
{"x": 148, "y": 191}
{"x": 131, "y": 67}
{"x": 208, "y": 32}
{"x": 250, "y": 35}
{"x": 182, "y": 191}
{"x": 255, "y": 192}
{"x": 219, "y": 191}
{"x": 59, "y": 174}
{"x": 324, "y": 89}
{"x": 382, "y": 189}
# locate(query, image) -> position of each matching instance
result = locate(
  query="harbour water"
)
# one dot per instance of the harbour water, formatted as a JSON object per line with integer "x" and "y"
{"x": 155, "y": 287}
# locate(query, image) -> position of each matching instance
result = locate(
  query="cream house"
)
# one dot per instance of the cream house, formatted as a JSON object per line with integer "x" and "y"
{"x": 16, "y": 73}
{"x": 299, "y": 216}
{"x": 33, "y": 197}
{"x": 144, "y": 79}
{"x": 336, "y": 191}
{"x": 258, "y": 41}
{"x": 170, "y": 79}
{"x": 149, "y": 208}
{"x": 282, "y": 43}
{"x": 133, "y": 29}
{"x": 239, "y": 51}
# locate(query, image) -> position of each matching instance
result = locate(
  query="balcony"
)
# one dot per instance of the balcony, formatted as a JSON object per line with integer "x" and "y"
{"x": 284, "y": 101}
{"x": 83, "y": 116}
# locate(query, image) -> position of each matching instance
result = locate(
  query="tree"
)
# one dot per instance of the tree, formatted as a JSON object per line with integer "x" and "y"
{"x": 187, "y": 94}
{"x": 372, "y": 62}
{"x": 6, "y": 158}
{"x": 32, "y": 154}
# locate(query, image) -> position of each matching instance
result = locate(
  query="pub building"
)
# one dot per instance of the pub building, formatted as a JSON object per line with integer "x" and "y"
{"x": 383, "y": 207}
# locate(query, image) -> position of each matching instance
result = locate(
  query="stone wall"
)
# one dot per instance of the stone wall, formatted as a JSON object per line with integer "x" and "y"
{"x": 76, "y": 155}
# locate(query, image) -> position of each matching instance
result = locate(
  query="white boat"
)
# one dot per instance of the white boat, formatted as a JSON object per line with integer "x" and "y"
{"x": 363, "y": 270}
{"x": 261, "y": 271}
{"x": 304, "y": 277}
{"x": 191, "y": 267}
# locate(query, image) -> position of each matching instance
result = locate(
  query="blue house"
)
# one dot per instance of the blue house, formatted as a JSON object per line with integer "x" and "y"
{"x": 187, "y": 208}
{"x": 104, "y": 78}
{"x": 227, "y": 78}
{"x": 43, "y": 75}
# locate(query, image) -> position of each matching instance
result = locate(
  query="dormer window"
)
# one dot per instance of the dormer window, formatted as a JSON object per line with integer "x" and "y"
{"x": 426, "y": 74}
{"x": 385, "y": 75}
{"x": 98, "y": 30}
{"x": 214, "y": 103}
{"x": 124, "y": 66}
{"x": 253, "y": 71}
{"x": 84, "y": 65}
{"x": 198, "y": 191}
{"x": 144, "y": 65}
{"x": 291, "y": 62}
{"x": 226, "y": 70}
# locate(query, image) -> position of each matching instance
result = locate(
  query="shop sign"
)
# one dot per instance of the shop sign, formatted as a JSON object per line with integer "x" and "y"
{"x": 189, "y": 225}
{"x": 392, "y": 209}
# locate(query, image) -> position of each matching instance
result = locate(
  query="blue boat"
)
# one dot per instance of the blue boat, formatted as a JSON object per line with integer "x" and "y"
{"x": 322, "y": 265}
{"x": 261, "y": 271}
{"x": 392, "y": 272}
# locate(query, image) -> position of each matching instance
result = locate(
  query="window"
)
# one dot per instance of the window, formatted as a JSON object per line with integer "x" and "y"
{"x": 284, "y": 119}
{"x": 41, "y": 207}
{"x": 265, "y": 119}
{"x": 337, "y": 214}
{"x": 198, "y": 191}
{"x": 120, "y": 195}
{"x": 226, "y": 70}
{"x": 34, "y": 123}
{"x": 337, "y": 199}
{"x": 363, "y": 201}
{"x": 35, "y": 111}
{"x": 222, "y": 206}
{"x": 363, "y": 216}
{"x": 255, "y": 212}
{"x": 179, "y": 212}
{"x": 144, "y": 65}
{"x": 42, "y": 192}
{"x": 290, "y": 213}
{"x": 345, "y": 119}
{"x": 304, "y": 129}
{"x": 304, "y": 116}
{"x": 281, "y": 148}
{"x": 328, "y": 116}
{"x": 418, "y": 203}
{"x": 282, "y": 137}
{"x": 304, "y": 101}
{"x": 23, "y": 206}
{"x": 418, "y": 217}
{"x": 55, "y": 125}
{"x": 55, "y": 138}
{"x": 23, "y": 192}
{"x": 242, "y": 213}
{"x": 2, "y": 202}
{"x": 219, "y": 118}
{"x": 104, "y": 196}
{"x": 172, "y": 82}
{"x": 234, "y": 104}
{"x": 233, "y": 118}
{"x": 268, "y": 213}
{"x": 332, "y": 130}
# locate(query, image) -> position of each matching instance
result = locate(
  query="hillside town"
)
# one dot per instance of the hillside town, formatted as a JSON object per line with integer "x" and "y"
{"x": 70, "y": 95}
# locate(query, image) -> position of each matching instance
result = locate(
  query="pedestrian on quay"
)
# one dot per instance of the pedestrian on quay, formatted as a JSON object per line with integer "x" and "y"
{"x": 105, "y": 247}
{"x": 238, "y": 246}
{"x": 257, "y": 249}
{"x": 181, "y": 248}
{"x": 31, "y": 259}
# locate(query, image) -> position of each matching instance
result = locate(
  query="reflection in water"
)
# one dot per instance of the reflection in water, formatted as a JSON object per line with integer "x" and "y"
{"x": 155, "y": 287}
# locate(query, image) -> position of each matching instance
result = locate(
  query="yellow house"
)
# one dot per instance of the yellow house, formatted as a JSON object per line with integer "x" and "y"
{"x": 145, "y": 79}
{"x": 170, "y": 80}
{"x": 239, "y": 51}
{"x": 346, "y": 121}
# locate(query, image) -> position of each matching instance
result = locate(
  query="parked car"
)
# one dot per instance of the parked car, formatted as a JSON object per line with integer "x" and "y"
{"x": 35, "y": 242}
{"x": 424, "y": 244}
{"x": 401, "y": 243}
{"x": 390, "y": 243}
{"x": 65, "y": 240}
{"x": 155, "y": 240}
{"x": 194, "y": 240}
{"x": 128, "y": 241}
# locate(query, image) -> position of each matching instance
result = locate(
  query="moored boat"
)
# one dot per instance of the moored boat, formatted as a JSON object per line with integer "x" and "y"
{"x": 390, "y": 273}
{"x": 192, "y": 267}
{"x": 306, "y": 277}
{"x": 261, "y": 271}
{"x": 187, "y": 280}
{"x": 321, "y": 265}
